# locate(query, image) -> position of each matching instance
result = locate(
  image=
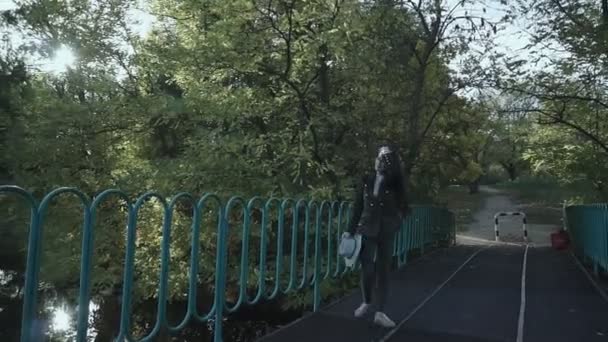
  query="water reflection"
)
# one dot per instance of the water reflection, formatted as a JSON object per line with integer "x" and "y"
{"x": 63, "y": 321}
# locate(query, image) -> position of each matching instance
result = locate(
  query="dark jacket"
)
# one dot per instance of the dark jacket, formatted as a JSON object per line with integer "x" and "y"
{"x": 382, "y": 213}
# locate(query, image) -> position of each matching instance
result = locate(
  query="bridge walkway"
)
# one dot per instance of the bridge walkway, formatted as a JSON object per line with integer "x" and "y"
{"x": 474, "y": 294}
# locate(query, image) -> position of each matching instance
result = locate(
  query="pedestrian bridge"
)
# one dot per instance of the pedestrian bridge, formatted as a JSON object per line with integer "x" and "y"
{"x": 473, "y": 294}
{"x": 264, "y": 248}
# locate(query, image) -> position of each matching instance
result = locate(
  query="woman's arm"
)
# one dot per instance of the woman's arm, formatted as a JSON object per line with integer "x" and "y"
{"x": 357, "y": 208}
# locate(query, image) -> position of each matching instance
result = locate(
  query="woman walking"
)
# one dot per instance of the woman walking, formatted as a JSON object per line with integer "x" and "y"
{"x": 380, "y": 206}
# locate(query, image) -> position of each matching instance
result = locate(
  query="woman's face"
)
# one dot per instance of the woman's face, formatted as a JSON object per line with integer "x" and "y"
{"x": 383, "y": 161}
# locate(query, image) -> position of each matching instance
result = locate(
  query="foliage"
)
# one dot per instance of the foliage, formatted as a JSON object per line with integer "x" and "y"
{"x": 569, "y": 158}
{"x": 462, "y": 203}
{"x": 249, "y": 97}
{"x": 546, "y": 191}
{"x": 511, "y": 132}
{"x": 562, "y": 89}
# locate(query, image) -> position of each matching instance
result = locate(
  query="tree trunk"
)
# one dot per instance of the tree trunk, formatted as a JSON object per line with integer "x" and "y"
{"x": 107, "y": 320}
{"x": 474, "y": 186}
{"x": 414, "y": 127}
{"x": 511, "y": 170}
{"x": 414, "y": 139}
{"x": 512, "y": 173}
{"x": 10, "y": 318}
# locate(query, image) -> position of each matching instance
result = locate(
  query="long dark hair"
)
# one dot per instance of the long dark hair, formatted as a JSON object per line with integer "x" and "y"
{"x": 396, "y": 178}
{"x": 395, "y": 175}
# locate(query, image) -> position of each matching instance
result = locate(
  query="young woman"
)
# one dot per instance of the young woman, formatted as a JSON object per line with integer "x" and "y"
{"x": 380, "y": 206}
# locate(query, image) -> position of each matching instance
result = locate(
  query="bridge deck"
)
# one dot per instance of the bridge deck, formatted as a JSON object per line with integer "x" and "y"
{"x": 472, "y": 294}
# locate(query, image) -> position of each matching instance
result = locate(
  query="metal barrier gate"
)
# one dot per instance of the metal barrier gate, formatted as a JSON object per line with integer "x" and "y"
{"x": 516, "y": 213}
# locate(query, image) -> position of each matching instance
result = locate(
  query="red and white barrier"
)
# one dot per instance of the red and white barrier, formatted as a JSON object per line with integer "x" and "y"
{"x": 516, "y": 213}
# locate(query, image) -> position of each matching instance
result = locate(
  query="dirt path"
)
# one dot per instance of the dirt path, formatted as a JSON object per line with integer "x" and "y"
{"x": 481, "y": 230}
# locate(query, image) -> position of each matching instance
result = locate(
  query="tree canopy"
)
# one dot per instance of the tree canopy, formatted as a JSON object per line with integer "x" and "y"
{"x": 281, "y": 98}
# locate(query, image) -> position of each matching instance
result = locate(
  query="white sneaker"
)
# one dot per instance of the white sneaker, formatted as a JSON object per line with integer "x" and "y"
{"x": 383, "y": 320}
{"x": 361, "y": 310}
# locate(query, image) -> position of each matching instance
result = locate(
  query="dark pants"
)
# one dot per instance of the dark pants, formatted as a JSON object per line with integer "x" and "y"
{"x": 376, "y": 273}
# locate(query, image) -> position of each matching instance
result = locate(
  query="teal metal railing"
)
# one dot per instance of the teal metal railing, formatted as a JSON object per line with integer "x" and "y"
{"x": 313, "y": 228}
{"x": 588, "y": 228}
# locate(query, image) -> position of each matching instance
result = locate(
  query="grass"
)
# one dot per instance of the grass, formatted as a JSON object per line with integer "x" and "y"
{"x": 538, "y": 214}
{"x": 548, "y": 192}
{"x": 461, "y": 203}
{"x": 542, "y": 199}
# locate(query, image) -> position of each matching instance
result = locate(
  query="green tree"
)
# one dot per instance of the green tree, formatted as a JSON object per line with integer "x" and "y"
{"x": 249, "y": 97}
{"x": 568, "y": 92}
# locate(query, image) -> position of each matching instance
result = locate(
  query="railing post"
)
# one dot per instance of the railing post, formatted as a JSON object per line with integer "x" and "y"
{"x": 525, "y": 228}
{"x": 604, "y": 260}
{"x": 405, "y": 239}
{"x": 31, "y": 278}
{"x": 85, "y": 277}
{"x": 220, "y": 277}
{"x": 596, "y": 268}
{"x": 496, "y": 232}
{"x": 453, "y": 222}
{"x": 425, "y": 230}
{"x": 125, "y": 313}
{"x": 317, "y": 275}
{"x": 564, "y": 217}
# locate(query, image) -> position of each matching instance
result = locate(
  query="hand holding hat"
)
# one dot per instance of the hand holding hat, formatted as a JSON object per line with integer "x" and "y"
{"x": 350, "y": 246}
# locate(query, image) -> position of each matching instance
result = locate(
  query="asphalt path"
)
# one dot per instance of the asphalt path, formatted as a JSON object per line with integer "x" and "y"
{"x": 476, "y": 294}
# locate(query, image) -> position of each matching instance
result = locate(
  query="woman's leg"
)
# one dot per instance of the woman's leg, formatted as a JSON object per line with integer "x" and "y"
{"x": 368, "y": 273}
{"x": 383, "y": 268}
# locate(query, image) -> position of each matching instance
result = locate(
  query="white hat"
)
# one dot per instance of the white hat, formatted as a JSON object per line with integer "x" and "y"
{"x": 350, "y": 246}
